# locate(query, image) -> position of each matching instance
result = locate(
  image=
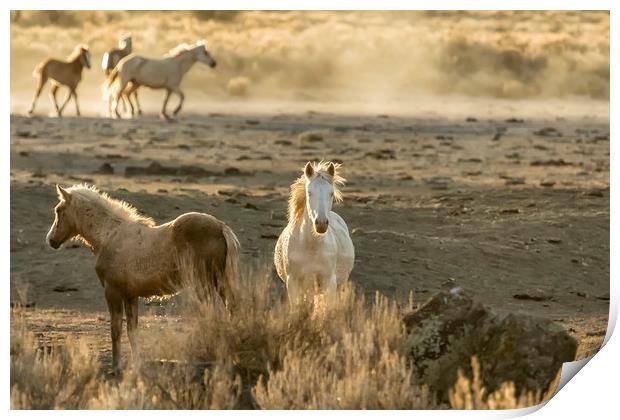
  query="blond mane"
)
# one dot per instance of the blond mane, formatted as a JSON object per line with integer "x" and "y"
{"x": 297, "y": 199}
{"x": 77, "y": 52}
{"x": 118, "y": 208}
{"x": 179, "y": 49}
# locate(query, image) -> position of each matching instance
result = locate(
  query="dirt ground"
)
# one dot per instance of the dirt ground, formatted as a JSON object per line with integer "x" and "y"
{"x": 514, "y": 210}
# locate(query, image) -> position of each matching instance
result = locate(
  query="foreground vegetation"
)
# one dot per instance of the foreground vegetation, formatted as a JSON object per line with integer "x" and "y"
{"x": 262, "y": 354}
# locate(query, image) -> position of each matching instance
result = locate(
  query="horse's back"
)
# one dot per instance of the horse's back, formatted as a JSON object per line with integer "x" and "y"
{"x": 201, "y": 233}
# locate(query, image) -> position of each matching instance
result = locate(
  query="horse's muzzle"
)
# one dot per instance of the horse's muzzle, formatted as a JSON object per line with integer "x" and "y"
{"x": 213, "y": 64}
{"x": 54, "y": 244}
{"x": 321, "y": 226}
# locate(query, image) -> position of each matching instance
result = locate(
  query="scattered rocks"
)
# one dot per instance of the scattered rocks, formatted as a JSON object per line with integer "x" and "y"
{"x": 451, "y": 327}
{"x": 382, "y": 154}
{"x": 547, "y": 184}
{"x": 548, "y": 132}
{"x": 63, "y": 289}
{"x": 156, "y": 168}
{"x": 535, "y": 298}
{"x": 311, "y": 137}
{"x": 105, "y": 169}
{"x": 471, "y": 119}
{"x": 554, "y": 240}
{"x": 551, "y": 162}
{"x": 515, "y": 120}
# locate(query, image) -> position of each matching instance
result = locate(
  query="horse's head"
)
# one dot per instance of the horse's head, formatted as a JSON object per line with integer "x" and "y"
{"x": 63, "y": 227}
{"x": 319, "y": 195}
{"x": 203, "y": 55}
{"x": 124, "y": 43}
{"x": 85, "y": 56}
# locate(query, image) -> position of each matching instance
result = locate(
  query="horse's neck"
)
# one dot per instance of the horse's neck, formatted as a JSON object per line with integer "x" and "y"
{"x": 96, "y": 226}
{"x": 185, "y": 61}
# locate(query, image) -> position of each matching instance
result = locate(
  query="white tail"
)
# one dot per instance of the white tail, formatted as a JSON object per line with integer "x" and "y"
{"x": 104, "y": 62}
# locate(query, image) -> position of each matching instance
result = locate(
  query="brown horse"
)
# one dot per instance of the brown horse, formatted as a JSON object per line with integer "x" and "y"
{"x": 62, "y": 73}
{"x": 136, "y": 258}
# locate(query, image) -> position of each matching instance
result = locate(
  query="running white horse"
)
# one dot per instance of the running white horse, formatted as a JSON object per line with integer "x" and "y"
{"x": 314, "y": 252}
{"x": 166, "y": 73}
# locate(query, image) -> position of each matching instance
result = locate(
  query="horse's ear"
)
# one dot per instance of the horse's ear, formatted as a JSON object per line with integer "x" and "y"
{"x": 331, "y": 169}
{"x": 309, "y": 170}
{"x": 64, "y": 194}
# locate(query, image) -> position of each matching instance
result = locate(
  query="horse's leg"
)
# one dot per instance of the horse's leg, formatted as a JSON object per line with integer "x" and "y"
{"x": 331, "y": 288}
{"x": 131, "y": 314}
{"x": 294, "y": 290}
{"x": 115, "y": 306}
{"x": 182, "y": 98}
{"x": 65, "y": 102}
{"x": 127, "y": 98}
{"x": 52, "y": 94}
{"x": 37, "y": 93}
{"x": 135, "y": 94}
{"x": 163, "y": 114}
{"x": 122, "y": 84}
{"x": 77, "y": 107}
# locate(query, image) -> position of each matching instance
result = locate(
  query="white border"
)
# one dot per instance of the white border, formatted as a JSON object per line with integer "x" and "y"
{"x": 592, "y": 394}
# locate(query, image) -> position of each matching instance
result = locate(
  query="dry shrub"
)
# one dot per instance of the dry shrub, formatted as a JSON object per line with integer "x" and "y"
{"x": 472, "y": 395}
{"x": 49, "y": 377}
{"x": 259, "y": 352}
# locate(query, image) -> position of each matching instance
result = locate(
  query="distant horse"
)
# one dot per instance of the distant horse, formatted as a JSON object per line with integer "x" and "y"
{"x": 165, "y": 73}
{"x": 110, "y": 60}
{"x": 62, "y": 73}
{"x": 136, "y": 259}
{"x": 314, "y": 250}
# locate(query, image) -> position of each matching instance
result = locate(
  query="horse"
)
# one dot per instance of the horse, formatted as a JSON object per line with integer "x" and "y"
{"x": 109, "y": 61}
{"x": 136, "y": 258}
{"x": 62, "y": 73}
{"x": 166, "y": 73}
{"x": 314, "y": 250}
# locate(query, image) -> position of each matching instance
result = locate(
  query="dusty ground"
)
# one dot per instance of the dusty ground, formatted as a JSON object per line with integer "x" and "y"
{"x": 516, "y": 211}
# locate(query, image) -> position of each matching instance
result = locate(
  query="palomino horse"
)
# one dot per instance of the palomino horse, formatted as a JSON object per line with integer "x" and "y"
{"x": 165, "y": 73}
{"x": 62, "y": 73}
{"x": 314, "y": 249}
{"x": 136, "y": 259}
{"x": 109, "y": 61}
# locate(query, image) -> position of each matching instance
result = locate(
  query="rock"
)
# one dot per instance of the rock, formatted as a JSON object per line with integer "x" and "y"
{"x": 250, "y": 206}
{"x": 471, "y": 119}
{"x": 547, "y": 184}
{"x": 311, "y": 137}
{"x": 451, "y": 327}
{"x": 105, "y": 169}
{"x": 548, "y": 132}
{"x": 552, "y": 162}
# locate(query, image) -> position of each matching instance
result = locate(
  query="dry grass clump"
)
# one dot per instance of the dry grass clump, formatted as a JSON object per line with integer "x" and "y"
{"x": 49, "y": 377}
{"x": 258, "y": 353}
{"x": 471, "y": 394}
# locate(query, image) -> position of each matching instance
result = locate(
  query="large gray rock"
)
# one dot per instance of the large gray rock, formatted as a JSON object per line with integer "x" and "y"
{"x": 451, "y": 327}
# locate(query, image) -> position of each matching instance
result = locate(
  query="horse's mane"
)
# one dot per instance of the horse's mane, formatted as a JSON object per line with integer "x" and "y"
{"x": 118, "y": 208}
{"x": 182, "y": 48}
{"x": 297, "y": 199}
{"x": 77, "y": 52}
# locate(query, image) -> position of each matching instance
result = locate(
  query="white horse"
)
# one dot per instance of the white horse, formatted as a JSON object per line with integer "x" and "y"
{"x": 314, "y": 252}
{"x": 166, "y": 73}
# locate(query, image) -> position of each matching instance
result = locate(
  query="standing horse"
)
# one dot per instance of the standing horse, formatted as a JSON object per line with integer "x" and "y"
{"x": 136, "y": 259}
{"x": 314, "y": 249}
{"x": 109, "y": 61}
{"x": 166, "y": 73}
{"x": 62, "y": 73}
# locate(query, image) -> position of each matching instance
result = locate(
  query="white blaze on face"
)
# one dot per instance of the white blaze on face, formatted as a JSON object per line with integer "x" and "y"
{"x": 319, "y": 200}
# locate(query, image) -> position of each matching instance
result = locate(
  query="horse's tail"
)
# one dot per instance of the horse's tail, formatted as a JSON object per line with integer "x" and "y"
{"x": 105, "y": 61}
{"x": 108, "y": 83}
{"x": 231, "y": 269}
{"x": 36, "y": 73}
